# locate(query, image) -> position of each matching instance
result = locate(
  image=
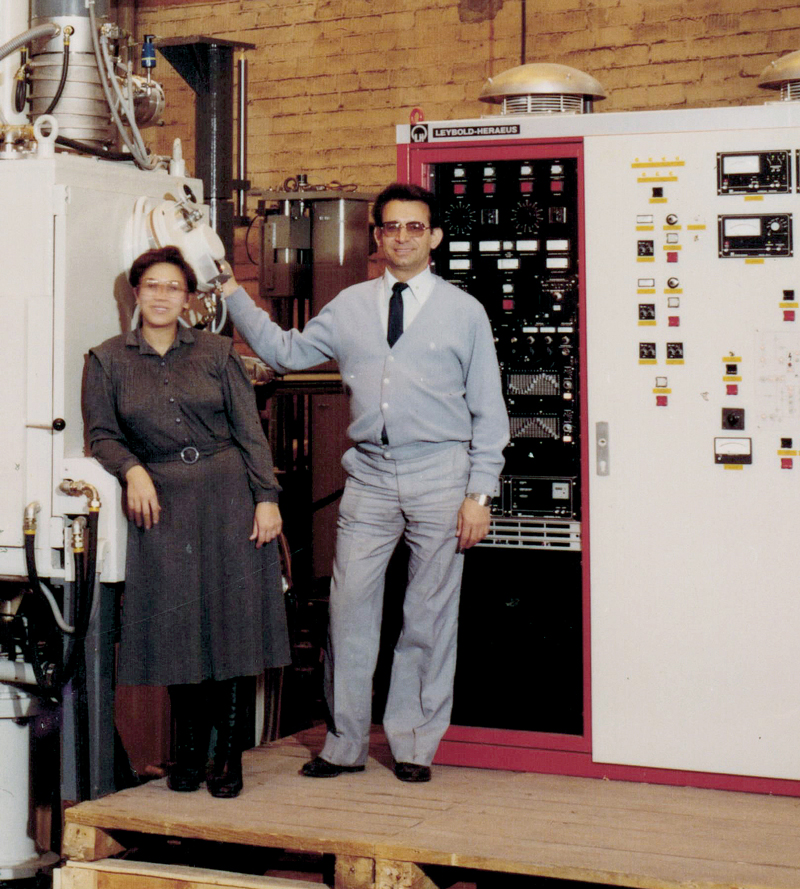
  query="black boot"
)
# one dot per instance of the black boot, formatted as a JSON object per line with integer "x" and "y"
{"x": 190, "y": 732}
{"x": 225, "y": 777}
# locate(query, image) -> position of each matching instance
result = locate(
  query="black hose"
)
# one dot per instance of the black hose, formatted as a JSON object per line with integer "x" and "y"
{"x": 21, "y": 89}
{"x": 91, "y": 559}
{"x": 20, "y": 95}
{"x": 62, "y": 82}
{"x": 95, "y": 152}
{"x": 46, "y": 674}
{"x": 51, "y": 677}
{"x": 82, "y": 611}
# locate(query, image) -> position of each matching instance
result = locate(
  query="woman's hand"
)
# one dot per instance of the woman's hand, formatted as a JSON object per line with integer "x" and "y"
{"x": 143, "y": 505}
{"x": 267, "y": 523}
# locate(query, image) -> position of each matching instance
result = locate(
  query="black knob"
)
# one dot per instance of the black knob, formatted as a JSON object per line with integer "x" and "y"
{"x": 59, "y": 425}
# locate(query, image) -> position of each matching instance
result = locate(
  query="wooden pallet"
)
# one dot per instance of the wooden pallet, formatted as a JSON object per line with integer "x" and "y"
{"x": 383, "y": 832}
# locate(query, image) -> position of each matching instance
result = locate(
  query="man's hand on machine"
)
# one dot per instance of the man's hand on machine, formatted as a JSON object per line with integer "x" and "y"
{"x": 230, "y": 285}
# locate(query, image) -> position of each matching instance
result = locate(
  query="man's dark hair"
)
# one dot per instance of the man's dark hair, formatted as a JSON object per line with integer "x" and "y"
{"x": 171, "y": 255}
{"x": 400, "y": 191}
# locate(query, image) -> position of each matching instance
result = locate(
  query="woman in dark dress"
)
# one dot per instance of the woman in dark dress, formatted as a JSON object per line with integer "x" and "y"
{"x": 171, "y": 413}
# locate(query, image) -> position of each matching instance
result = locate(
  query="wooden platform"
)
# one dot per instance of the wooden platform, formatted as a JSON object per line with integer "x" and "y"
{"x": 380, "y": 829}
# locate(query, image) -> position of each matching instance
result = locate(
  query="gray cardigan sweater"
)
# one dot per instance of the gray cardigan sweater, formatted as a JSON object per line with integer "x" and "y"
{"x": 439, "y": 383}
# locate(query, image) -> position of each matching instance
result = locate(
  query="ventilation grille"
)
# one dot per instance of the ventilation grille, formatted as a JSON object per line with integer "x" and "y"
{"x": 533, "y": 384}
{"x": 535, "y": 427}
{"x": 524, "y": 533}
{"x": 790, "y": 91}
{"x": 546, "y": 103}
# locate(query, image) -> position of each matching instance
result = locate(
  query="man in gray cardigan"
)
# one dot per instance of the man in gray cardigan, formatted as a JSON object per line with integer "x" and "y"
{"x": 429, "y": 425}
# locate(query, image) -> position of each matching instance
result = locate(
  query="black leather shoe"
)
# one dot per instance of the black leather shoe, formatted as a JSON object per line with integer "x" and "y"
{"x": 184, "y": 780}
{"x": 225, "y": 777}
{"x": 190, "y": 732}
{"x": 411, "y": 772}
{"x": 321, "y": 768}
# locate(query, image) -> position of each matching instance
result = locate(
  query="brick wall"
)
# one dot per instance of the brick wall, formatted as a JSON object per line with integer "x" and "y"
{"x": 330, "y": 79}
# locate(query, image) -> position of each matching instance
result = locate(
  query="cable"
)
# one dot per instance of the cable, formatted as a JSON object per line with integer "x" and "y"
{"x": 106, "y": 154}
{"x": 253, "y": 221}
{"x": 63, "y": 80}
{"x": 101, "y": 56}
{"x": 21, "y": 86}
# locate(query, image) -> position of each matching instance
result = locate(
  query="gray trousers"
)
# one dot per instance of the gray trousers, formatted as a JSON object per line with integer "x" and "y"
{"x": 384, "y": 499}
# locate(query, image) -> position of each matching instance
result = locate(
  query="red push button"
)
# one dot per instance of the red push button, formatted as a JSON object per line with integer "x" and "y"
{"x": 508, "y": 305}
{"x": 661, "y": 401}
{"x": 787, "y": 462}
{"x": 526, "y": 187}
{"x": 788, "y": 315}
{"x": 557, "y": 185}
{"x": 732, "y": 389}
{"x": 672, "y": 256}
{"x": 488, "y": 187}
{"x": 674, "y": 321}
{"x": 460, "y": 188}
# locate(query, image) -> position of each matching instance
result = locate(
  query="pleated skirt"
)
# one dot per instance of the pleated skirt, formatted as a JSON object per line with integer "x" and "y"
{"x": 200, "y": 601}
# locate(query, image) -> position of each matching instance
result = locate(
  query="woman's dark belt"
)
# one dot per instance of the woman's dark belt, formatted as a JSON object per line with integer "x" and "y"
{"x": 190, "y": 454}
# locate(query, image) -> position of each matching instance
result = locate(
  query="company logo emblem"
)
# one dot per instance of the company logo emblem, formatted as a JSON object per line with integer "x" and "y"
{"x": 419, "y": 133}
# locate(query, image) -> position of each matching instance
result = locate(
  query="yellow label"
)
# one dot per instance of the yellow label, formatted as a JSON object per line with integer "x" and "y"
{"x": 662, "y": 391}
{"x": 645, "y": 228}
{"x": 672, "y": 228}
{"x": 657, "y": 179}
{"x": 754, "y": 261}
{"x": 658, "y": 200}
{"x": 647, "y": 324}
{"x": 644, "y": 292}
{"x": 733, "y": 466}
{"x": 675, "y": 360}
{"x": 789, "y": 305}
{"x": 645, "y": 259}
{"x": 675, "y": 162}
{"x": 731, "y": 358}
{"x": 673, "y": 247}
{"x": 676, "y": 290}
{"x": 731, "y": 379}
{"x": 648, "y": 361}
{"x": 754, "y": 197}
{"x": 787, "y": 453}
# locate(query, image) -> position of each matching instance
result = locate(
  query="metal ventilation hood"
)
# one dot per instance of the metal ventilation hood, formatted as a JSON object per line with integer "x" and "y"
{"x": 783, "y": 74}
{"x": 543, "y": 88}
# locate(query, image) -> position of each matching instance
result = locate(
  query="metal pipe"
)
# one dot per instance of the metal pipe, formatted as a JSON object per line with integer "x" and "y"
{"x": 17, "y": 671}
{"x": 241, "y": 175}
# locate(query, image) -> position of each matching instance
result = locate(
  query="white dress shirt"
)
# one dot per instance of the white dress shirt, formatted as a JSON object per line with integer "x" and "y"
{"x": 415, "y": 294}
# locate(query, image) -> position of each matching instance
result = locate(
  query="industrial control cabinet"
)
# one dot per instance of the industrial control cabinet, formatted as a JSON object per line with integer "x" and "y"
{"x": 634, "y": 612}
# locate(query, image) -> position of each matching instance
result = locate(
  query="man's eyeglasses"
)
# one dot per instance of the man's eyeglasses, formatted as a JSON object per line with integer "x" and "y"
{"x": 413, "y": 229}
{"x": 151, "y": 287}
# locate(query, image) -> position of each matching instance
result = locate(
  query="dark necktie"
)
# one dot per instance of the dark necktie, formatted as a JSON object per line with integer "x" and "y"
{"x": 395, "y": 328}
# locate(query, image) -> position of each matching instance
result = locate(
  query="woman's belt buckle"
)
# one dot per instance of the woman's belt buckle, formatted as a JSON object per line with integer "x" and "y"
{"x": 190, "y": 454}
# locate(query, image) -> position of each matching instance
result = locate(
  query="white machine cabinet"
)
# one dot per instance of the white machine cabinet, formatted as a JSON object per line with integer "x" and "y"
{"x": 690, "y": 427}
{"x": 67, "y": 240}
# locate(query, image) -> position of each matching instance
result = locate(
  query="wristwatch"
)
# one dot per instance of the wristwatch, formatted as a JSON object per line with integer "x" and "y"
{"x": 480, "y": 499}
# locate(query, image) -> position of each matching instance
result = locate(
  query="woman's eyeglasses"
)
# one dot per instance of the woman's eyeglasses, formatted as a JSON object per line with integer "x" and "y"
{"x": 151, "y": 287}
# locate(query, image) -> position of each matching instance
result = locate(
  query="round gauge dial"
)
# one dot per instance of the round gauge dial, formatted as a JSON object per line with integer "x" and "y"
{"x": 459, "y": 218}
{"x": 527, "y": 217}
